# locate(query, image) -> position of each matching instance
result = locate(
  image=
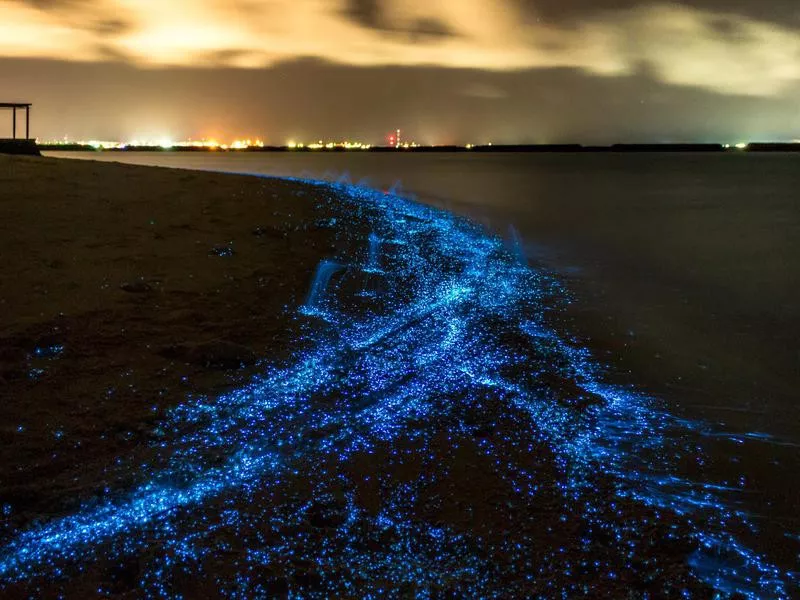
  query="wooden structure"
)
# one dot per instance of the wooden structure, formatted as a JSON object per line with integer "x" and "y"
{"x": 21, "y": 106}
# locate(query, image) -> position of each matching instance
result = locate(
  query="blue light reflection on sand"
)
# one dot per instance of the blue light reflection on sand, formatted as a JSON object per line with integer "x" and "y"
{"x": 387, "y": 366}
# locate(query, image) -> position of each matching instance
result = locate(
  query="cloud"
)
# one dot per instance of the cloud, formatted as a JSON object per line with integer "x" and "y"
{"x": 428, "y": 103}
{"x": 776, "y": 11}
{"x": 728, "y": 54}
{"x": 364, "y": 12}
{"x": 698, "y": 43}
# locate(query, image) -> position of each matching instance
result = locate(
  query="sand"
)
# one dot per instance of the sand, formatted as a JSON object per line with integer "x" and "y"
{"x": 155, "y": 283}
{"x": 128, "y": 292}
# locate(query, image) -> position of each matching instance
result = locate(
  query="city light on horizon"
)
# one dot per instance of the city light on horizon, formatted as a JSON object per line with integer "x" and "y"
{"x": 214, "y": 143}
{"x": 211, "y": 144}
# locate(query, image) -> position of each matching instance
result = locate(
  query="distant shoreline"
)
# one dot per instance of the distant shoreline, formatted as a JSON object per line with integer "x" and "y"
{"x": 520, "y": 148}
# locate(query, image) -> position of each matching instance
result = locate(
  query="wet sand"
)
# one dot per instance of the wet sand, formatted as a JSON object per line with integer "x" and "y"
{"x": 148, "y": 444}
{"x": 123, "y": 290}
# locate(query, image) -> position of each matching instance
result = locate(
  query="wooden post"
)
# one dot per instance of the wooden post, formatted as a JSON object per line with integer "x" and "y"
{"x": 27, "y": 122}
{"x": 13, "y": 122}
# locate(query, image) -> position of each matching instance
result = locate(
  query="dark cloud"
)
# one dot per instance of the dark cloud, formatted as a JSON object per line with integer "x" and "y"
{"x": 107, "y": 27}
{"x": 51, "y": 5}
{"x": 783, "y": 12}
{"x": 100, "y": 21}
{"x": 729, "y": 29}
{"x": 367, "y": 13}
{"x": 222, "y": 58}
{"x": 109, "y": 53}
{"x": 427, "y": 28}
{"x": 370, "y": 13}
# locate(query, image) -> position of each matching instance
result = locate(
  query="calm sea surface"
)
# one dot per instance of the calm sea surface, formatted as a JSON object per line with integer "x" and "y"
{"x": 685, "y": 271}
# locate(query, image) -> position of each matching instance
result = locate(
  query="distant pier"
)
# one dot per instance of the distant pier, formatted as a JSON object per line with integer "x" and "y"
{"x": 18, "y": 145}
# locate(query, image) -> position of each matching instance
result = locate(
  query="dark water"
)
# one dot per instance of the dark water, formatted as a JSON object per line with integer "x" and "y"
{"x": 685, "y": 271}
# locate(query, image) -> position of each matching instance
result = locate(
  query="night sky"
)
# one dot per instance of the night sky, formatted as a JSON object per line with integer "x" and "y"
{"x": 445, "y": 71}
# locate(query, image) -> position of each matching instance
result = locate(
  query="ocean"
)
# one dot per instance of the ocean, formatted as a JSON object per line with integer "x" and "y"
{"x": 683, "y": 276}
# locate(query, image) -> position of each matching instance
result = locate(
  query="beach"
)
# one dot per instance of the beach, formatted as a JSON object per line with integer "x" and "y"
{"x": 222, "y": 385}
{"x": 125, "y": 289}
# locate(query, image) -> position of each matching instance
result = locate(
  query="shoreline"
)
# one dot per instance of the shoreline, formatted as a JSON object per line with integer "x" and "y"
{"x": 754, "y": 147}
{"x": 430, "y": 312}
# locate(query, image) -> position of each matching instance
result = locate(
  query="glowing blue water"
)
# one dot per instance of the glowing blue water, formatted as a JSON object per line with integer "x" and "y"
{"x": 344, "y": 179}
{"x": 397, "y": 188}
{"x": 373, "y": 259}
{"x": 516, "y": 246}
{"x": 315, "y": 301}
{"x": 467, "y": 333}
